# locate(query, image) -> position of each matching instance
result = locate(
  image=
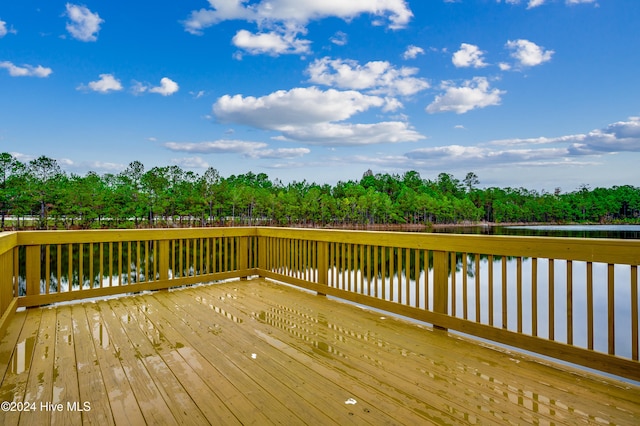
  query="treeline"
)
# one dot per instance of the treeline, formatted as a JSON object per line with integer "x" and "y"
{"x": 170, "y": 196}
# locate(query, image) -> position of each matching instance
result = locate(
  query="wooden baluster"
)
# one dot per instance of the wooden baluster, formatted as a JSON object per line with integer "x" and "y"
{"x": 590, "y": 305}
{"x": 59, "y": 267}
{"x": 440, "y": 283}
{"x": 477, "y": 267}
{"x": 180, "y": 259}
{"x": 201, "y": 268}
{"x": 392, "y": 272}
{"x": 551, "y": 300}
{"x": 519, "y": 292}
{"x": 80, "y": 266}
{"x": 47, "y": 268}
{"x": 369, "y": 267}
{"x": 426, "y": 279}
{"x": 323, "y": 264}
{"x": 91, "y": 282}
{"x": 534, "y": 296}
{"x": 361, "y": 269}
{"x": 119, "y": 262}
{"x": 32, "y": 273}
{"x": 243, "y": 251}
{"x": 383, "y": 272}
{"x": 634, "y": 312}
{"x": 163, "y": 258}
{"x": 569, "y": 302}
{"x": 490, "y": 284}
{"x": 504, "y": 293}
{"x": 101, "y": 272}
{"x": 407, "y": 276}
{"x": 375, "y": 266}
{"x": 611, "y": 307}
{"x": 416, "y": 274}
{"x": 129, "y": 260}
{"x": 465, "y": 294}
{"x": 453, "y": 264}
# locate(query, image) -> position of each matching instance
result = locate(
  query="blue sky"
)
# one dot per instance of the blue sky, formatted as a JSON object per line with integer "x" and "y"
{"x": 533, "y": 93}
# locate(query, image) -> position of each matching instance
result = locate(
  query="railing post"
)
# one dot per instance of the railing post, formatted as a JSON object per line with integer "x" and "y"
{"x": 440, "y": 284}
{"x": 323, "y": 264}
{"x": 33, "y": 270}
{"x": 262, "y": 253}
{"x": 243, "y": 250}
{"x": 163, "y": 257}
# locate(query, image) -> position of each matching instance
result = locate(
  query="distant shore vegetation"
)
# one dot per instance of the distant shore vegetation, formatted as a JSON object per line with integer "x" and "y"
{"x": 40, "y": 195}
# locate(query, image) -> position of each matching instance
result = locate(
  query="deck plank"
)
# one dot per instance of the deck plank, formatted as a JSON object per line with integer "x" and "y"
{"x": 375, "y": 369}
{"x": 91, "y": 385}
{"x": 369, "y": 360}
{"x": 217, "y": 398}
{"x": 491, "y": 380}
{"x": 297, "y": 386}
{"x": 255, "y": 352}
{"x": 40, "y": 381}
{"x": 198, "y": 345}
{"x": 373, "y": 403}
{"x": 148, "y": 397}
{"x": 9, "y": 341}
{"x": 15, "y": 380}
{"x": 65, "y": 374}
{"x": 177, "y": 398}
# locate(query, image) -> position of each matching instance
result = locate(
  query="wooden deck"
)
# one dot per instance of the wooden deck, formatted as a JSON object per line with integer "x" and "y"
{"x": 253, "y": 352}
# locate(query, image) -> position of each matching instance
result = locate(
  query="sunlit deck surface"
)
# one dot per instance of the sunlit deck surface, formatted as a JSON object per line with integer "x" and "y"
{"x": 254, "y": 352}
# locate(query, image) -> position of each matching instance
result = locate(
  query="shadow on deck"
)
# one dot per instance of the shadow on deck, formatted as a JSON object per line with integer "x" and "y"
{"x": 254, "y": 352}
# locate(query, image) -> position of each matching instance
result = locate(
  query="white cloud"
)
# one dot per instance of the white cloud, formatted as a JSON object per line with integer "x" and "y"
{"x": 279, "y": 153}
{"x": 622, "y": 136}
{"x": 472, "y": 94}
{"x": 565, "y": 150}
{"x": 347, "y": 134}
{"x": 412, "y": 52}
{"x": 313, "y": 116}
{"x": 531, "y": 4}
{"x": 84, "y": 24}
{"x": 527, "y": 53}
{"x": 504, "y": 66}
{"x": 340, "y": 38}
{"x": 272, "y": 43}
{"x": 223, "y": 146}
{"x": 281, "y": 21}
{"x": 468, "y": 56}
{"x": 296, "y": 107}
{"x": 191, "y": 162}
{"x": 274, "y": 12}
{"x": 26, "y": 70}
{"x": 107, "y": 83}
{"x": 4, "y": 30}
{"x": 256, "y": 150}
{"x": 167, "y": 87}
{"x": 94, "y": 166}
{"x": 377, "y": 77}
{"x": 535, "y": 3}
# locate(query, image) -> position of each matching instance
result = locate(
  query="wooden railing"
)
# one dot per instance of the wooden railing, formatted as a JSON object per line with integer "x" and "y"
{"x": 570, "y": 299}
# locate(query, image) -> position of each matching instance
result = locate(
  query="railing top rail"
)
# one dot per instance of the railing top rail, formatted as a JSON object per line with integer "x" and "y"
{"x": 580, "y": 249}
{"x": 115, "y": 235}
{"x": 603, "y": 250}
